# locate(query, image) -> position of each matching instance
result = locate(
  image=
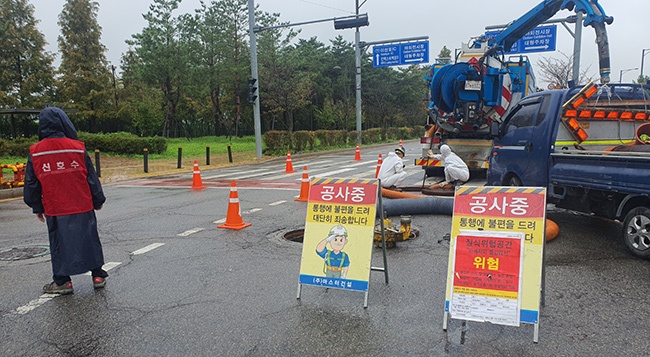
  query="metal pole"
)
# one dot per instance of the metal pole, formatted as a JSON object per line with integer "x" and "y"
{"x": 357, "y": 56}
{"x": 643, "y": 51}
{"x": 642, "y": 56}
{"x": 146, "y": 160}
{"x": 256, "y": 104}
{"x": 577, "y": 43}
{"x": 98, "y": 166}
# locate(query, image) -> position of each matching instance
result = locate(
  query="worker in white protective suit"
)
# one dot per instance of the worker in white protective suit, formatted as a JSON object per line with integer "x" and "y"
{"x": 391, "y": 173}
{"x": 456, "y": 171}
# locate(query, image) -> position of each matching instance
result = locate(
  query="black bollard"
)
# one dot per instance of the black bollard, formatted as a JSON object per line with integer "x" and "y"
{"x": 229, "y": 154}
{"x": 98, "y": 166}
{"x": 207, "y": 155}
{"x": 146, "y": 160}
{"x": 180, "y": 157}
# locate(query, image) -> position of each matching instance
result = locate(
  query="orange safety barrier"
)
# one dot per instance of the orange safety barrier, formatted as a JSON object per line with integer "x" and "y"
{"x": 233, "y": 218}
{"x": 379, "y": 162}
{"x": 357, "y": 155}
{"x": 197, "y": 182}
{"x": 304, "y": 186}
{"x": 19, "y": 175}
{"x": 289, "y": 166}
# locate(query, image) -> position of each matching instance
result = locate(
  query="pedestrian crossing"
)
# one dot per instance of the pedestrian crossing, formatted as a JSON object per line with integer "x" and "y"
{"x": 330, "y": 167}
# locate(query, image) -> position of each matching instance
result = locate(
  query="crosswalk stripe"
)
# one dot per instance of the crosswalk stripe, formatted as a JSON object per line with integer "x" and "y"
{"x": 190, "y": 231}
{"x": 148, "y": 248}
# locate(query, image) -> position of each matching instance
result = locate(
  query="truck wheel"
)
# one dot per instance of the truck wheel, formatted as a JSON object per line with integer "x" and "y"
{"x": 636, "y": 232}
{"x": 513, "y": 181}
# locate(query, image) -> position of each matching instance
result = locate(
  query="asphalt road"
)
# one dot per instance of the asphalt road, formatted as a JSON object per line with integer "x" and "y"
{"x": 179, "y": 286}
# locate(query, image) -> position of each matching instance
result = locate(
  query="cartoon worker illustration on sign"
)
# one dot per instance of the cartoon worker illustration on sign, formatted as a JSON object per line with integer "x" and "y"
{"x": 336, "y": 260}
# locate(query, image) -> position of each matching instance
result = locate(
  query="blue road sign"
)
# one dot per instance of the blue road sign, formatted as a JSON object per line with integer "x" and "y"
{"x": 399, "y": 54}
{"x": 539, "y": 39}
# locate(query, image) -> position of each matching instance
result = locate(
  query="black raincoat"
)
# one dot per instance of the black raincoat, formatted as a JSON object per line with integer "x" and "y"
{"x": 74, "y": 241}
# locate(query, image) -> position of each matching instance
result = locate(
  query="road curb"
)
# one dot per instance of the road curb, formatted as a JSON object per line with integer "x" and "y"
{"x": 8, "y": 193}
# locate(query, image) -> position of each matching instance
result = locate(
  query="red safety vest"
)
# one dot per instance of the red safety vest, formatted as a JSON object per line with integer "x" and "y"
{"x": 59, "y": 165}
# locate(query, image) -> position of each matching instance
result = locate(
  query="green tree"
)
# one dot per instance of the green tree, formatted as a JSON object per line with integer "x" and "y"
{"x": 162, "y": 52}
{"x": 26, "y": 72}
{"x": 444, "y": 56}
{"x": 221, "y": 62}
{"x": 85, "y": 79}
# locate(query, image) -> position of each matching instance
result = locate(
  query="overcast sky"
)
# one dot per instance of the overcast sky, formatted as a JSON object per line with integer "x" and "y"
{"x": 446, "y": 23}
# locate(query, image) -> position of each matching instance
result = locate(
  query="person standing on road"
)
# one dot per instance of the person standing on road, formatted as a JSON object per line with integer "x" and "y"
{"x": 391, "y": 173}
{"x": 456, "y": 171}
{"x": 62, "y": 188}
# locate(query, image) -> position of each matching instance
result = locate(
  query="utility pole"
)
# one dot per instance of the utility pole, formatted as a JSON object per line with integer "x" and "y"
{"x": 256, "y": 100}
{"x": 357, "y": 56}
{"x": 577, "y": 43}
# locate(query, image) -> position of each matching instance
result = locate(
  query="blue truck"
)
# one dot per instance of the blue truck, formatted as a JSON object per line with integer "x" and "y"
{"x": 588, "y": 146}
{"x": 466, "y": 96}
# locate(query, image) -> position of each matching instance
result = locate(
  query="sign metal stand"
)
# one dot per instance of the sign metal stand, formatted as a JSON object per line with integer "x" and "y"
{"x": 308, "y": 276}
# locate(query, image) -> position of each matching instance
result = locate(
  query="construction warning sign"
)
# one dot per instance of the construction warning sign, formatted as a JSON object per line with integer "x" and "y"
{"x": 495, "y": 256}
{"x": 339, "y": 229}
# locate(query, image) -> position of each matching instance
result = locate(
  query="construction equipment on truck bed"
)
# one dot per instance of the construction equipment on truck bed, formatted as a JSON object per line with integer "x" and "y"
{"x": 467, "y": 96}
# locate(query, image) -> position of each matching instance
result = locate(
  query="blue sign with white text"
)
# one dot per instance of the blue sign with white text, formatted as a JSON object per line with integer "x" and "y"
{"x": 400, "y": 54}
{"x": 539, "y": 39}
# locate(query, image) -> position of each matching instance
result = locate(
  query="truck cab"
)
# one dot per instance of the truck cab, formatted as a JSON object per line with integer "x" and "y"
{"x": 585, "y": 146}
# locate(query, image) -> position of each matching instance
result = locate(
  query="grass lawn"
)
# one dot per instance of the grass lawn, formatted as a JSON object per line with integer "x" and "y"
{"x": 119, "y": 167}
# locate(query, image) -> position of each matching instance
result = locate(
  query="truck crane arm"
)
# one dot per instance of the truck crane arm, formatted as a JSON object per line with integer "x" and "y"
{"x": 595, "y": 17}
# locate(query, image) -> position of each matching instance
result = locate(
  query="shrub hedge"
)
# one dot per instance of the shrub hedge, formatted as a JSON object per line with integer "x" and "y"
{"x": 118, "y": 143}
{"x": 278, "y": 142}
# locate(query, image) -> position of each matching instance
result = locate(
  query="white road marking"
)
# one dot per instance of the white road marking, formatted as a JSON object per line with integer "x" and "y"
{"x": 236, "y": 172}
{"x": 190, "y": 231}
{"x": 148, "y": 248}
{"x": 356, "y": 164}
{"x": 327, "y": 174}
{"x": 251, "y": 175}
{"x": 108, "y": 266}
{"x": 22, "y": 310}
{"x": 253, "y": 210}
{"x": 277, "y": 203}
{"x": 223, "y": 220}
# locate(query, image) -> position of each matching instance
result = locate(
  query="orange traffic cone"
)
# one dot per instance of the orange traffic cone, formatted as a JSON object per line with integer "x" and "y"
{"x": 357, "y": 154}
{"x": 197, "y": 183}
{"x": 233, "y": 218}
{"x": 378, "y": 166}
{"x": 304, "y": 187}
{"x": 289, "y": 166}
{"x": 400, "y": 143}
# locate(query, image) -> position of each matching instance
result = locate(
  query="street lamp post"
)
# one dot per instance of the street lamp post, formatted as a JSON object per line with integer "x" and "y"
{"x": 620, "y": 77}
{"x": 643, "y": 53}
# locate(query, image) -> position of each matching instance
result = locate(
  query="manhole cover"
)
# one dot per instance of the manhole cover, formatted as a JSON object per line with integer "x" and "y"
{"x": 295, "y": 236}
{"x": 21, "y": 253}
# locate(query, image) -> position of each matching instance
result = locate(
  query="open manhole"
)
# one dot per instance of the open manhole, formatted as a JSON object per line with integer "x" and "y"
{"x": 24, "y": 252}
{"x": 295, "y": 236}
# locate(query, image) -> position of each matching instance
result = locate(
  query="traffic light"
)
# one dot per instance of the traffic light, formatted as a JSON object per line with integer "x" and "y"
{"x": 252, "y": 90}
{"x": 351, "y": 22}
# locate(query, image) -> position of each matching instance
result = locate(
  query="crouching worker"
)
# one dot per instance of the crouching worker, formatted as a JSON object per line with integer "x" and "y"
{"x": 391, "y": 173}
{"x": 456, "y": 171}
{"x": 62, "y": 189}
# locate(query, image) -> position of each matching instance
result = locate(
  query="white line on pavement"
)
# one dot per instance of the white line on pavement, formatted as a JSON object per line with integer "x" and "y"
{"x": 223, "y": 220}
{"x": 327, "y": 174}
{"x": 190, "y": 231}
{"x": 148, "y": 248}
{"x": 277, "y": 203}
{"x": 356, "y": 164}
{"x": 22, "y": 310}
{"x": 252, "y": 210}
{"x": 235, "y": 172}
